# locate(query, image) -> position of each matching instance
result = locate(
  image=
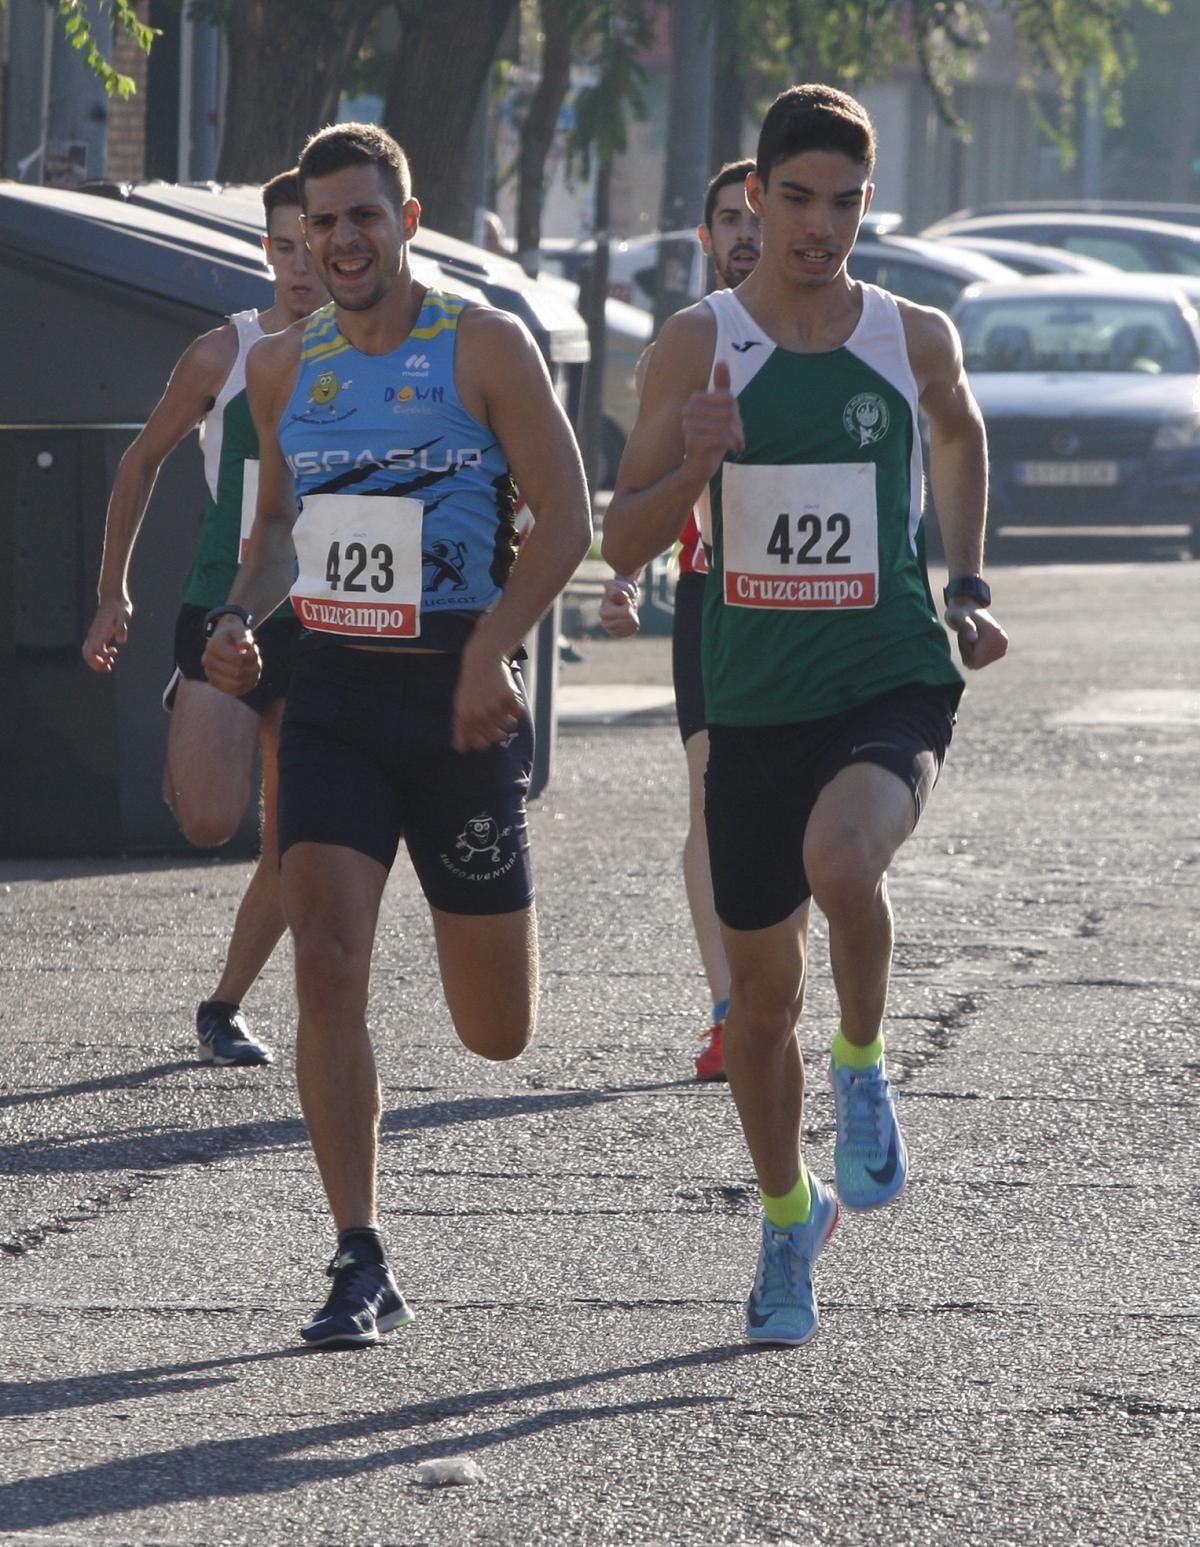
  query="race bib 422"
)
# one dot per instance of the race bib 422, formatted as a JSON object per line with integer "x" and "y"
{"x": 803, "y": 536}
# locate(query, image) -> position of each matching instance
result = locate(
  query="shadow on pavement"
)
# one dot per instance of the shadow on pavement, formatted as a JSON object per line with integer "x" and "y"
{"x": 159, "y": 1148}
{"x": 213, "y": 1469}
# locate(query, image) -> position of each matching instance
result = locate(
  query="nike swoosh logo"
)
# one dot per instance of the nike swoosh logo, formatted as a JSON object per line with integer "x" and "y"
{"x": 884, "y": 1173}
{"x": 755, "y": 1319}
{"x": 863, "y": 746}
{"x": 752, "y": 343}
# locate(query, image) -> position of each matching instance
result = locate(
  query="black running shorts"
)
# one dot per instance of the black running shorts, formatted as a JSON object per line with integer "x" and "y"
{"x": 763, "y": 782}
{"x": 276, "y": 638}
{"x": 365, "y": 760}
{"x": 685, "y": 654}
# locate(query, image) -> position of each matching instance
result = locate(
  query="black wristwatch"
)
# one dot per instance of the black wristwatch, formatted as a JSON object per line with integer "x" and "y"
{"x": 226, "y": 609}
{"x": 973, "y": 586}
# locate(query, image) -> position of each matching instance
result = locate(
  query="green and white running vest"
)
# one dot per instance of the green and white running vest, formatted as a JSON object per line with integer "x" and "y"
{"x": 817, "y": 597}
{"x": 229, "y": 442}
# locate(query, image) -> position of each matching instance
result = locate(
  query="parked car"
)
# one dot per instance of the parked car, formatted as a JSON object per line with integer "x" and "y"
{"x": 1029, "y": 257}
{"x": 1138, "y": 246}
{"x": 236, "y": 210}
{"x": 633, "y": 260}
{"x": 931, "y": 273}
{"x": 1143, "y": 209}
{"x": 1090, "y": 390}
{"x": 632, "y": 264}
{"x": 628, "y": 330}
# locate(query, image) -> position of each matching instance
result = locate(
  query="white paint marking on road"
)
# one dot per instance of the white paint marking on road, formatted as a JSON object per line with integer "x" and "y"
{"x": 1173, "y": 532}
{"x": 1163, "y": 706}
{"x": 605, "y": 702}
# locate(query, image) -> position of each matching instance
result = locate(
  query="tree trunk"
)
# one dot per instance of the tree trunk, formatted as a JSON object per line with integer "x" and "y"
{"x": 537, "y": 132}
{"x": 729, "y": 90}
{"x": 288, "y": 60}
{"x": 441, "y": 70}
{"x": 688, "y": 141}
{"x": 593, "y": 297}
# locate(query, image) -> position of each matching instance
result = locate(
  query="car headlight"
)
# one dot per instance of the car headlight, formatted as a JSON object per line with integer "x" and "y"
{"x": 1178, "y": 434}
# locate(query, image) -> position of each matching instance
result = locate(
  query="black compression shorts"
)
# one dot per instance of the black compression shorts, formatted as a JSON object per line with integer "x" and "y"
{"x": 365, "y": 760}
{"x": 763, "y": 782}
{"x": 685, "y": 654}
{"x": 276, "y": 638}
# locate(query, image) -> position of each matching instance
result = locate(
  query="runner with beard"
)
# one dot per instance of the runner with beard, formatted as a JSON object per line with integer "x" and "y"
{"x": 393, "y": 424}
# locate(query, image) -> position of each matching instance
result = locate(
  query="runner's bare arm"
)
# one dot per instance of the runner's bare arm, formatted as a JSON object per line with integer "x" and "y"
{"x": 503, "y": 381}
{"x": 231, "y": 659}
{"x": 957, "y": 471}
{"x": 197, "y": 378}
{"x": 622, "y": 593}
{"x": 682, "y": 432}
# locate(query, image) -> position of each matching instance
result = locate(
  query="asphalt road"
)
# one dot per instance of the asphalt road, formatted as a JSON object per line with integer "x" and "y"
{"x": 1009, "y": 1355}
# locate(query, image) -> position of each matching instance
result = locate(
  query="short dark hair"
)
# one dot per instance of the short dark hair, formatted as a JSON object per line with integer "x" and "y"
{"x": 814, "y": 117}
{"x": 283, "y": 188}
{"x": 731, "y": 172}
{"x": 338, "y": 146}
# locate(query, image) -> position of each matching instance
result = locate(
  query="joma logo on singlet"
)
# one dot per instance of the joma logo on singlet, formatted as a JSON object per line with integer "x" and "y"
{"x": 396, "y": 459}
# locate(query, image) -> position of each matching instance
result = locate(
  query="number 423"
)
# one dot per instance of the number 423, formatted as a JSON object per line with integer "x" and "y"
{"x": 380, "y": 558}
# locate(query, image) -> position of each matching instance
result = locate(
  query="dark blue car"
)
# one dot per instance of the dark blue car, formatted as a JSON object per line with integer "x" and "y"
{"x": 1090, "y": 390}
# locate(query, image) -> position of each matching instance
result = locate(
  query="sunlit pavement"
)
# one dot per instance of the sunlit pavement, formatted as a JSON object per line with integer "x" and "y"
{"x": 1007, "y": 1355}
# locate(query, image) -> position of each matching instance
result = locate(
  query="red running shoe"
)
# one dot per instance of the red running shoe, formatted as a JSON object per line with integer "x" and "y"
{"x": 710, "y": 1061}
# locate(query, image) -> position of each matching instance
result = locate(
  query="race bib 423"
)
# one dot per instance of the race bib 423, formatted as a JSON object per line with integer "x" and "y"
{"x": 359, "y": 565}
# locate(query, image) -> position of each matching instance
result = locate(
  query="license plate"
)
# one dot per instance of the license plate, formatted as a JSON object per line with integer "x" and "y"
{"x": 1091, "y": 475}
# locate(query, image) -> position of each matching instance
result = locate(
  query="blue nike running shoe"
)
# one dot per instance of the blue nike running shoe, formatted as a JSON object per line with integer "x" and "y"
{"x": 782, "y": 1307}
{"x": 869, "y": 1158}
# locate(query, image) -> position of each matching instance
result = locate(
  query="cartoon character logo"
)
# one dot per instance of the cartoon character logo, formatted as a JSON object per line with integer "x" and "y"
{"x": 481, "y": 835}
{"x": 325, "y": 389}
{"x": 444, "y": 562}
{"x": 866, "y": 418}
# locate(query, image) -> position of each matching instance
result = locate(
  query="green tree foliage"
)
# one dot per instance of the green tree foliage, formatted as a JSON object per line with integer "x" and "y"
{"x": 612, "y": 40}
{"x": 76, "y": 26}
{"x": 1078, "y": 45}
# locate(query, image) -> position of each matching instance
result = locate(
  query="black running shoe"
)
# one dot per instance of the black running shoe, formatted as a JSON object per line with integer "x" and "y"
{"x": 225, "y": 1038}
{"x": 363, "y": 1302}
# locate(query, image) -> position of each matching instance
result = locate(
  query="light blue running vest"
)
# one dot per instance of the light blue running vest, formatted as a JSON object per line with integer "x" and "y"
{"x": 393, "y": 424}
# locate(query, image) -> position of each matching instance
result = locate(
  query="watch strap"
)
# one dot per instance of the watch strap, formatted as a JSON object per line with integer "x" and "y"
{"x": 972, "y": 586}
{"x": 226, "y": 609}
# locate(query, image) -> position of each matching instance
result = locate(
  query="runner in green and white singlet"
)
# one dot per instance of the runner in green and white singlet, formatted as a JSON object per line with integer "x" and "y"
{"x": 821, "y": 599}
{"x": 829, "y": 688}
{"x": 215, "y": 742}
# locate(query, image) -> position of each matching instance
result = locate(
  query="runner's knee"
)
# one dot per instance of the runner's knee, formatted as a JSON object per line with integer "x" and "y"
{"x": 844, "y": 868}
{"x": 203, "y": 820}
{"x": 765, "y": 1022}
{"x": 498, "y": 1038}
{"x": 330, "y": 959}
